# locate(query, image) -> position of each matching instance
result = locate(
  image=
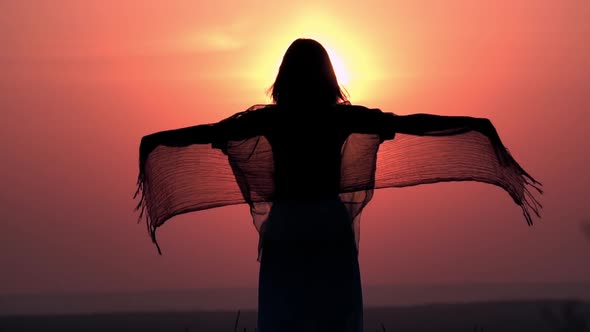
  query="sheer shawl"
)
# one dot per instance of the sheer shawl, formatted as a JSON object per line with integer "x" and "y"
{"x": 180, "y": 178}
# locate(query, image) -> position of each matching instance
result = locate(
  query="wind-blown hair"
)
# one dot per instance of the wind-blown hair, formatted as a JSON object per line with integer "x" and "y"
{"x": 306, "y": 75}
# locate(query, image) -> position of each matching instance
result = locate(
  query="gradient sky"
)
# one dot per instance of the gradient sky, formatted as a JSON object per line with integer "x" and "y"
{"x": 82, "y": 81}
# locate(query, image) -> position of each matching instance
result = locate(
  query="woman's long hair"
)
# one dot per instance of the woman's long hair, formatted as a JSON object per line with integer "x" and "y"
{"x": 306, "y": 76}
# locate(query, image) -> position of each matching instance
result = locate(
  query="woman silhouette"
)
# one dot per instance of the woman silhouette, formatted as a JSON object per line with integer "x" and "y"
{"x": 307, "y": 166}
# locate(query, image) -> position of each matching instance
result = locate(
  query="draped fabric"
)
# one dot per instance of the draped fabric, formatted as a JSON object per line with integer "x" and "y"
{"x": 238, "y": 164}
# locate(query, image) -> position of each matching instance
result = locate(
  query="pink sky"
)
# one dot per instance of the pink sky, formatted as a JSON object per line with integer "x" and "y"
{"x": 82, "y": 82}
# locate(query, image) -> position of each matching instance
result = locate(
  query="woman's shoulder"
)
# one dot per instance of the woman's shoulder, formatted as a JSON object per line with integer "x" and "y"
{"x": 353, "y": 108}
{"x": 251, "y": 112}
{"x": 350, "y": 112}
{"x": 260, "y": 107}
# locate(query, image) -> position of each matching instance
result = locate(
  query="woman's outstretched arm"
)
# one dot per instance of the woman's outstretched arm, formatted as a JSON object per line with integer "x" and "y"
{"x": 201, "y": 134}
{"x": 239, "y": 126}
{"x": 433, "y": 125}
{"x": 439, "y": 125}
{"x": 367, "y": 120}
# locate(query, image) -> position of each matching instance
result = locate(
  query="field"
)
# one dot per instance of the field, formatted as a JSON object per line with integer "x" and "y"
{"x": 539, "y": 316}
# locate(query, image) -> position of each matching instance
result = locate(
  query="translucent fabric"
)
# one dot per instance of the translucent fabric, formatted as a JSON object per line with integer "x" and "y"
{"x": 270, "y": 153}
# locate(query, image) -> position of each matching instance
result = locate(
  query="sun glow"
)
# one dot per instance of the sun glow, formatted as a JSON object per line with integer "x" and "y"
{"x": 339, "y": 68}
{"x": 354, "y": 63}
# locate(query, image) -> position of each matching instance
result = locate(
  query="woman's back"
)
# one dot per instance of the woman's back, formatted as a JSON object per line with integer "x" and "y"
{"x": 306, "y": 147}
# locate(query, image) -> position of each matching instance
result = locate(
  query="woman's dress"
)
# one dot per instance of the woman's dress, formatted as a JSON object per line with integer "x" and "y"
{"x": 309, "y": 272}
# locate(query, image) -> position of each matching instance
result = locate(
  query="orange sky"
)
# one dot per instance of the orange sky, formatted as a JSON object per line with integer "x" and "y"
{"x": 83, "y": 81}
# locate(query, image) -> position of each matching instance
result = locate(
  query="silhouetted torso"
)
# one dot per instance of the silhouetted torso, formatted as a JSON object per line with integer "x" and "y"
{"x": 307, "y": 145}
{"x": 307, "y": 154}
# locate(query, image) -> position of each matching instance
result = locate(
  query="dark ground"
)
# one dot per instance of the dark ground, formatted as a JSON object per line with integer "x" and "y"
{"x": 518, "y": 316}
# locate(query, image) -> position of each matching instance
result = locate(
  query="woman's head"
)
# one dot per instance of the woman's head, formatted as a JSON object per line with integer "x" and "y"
{"x": 306, "y": 75}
